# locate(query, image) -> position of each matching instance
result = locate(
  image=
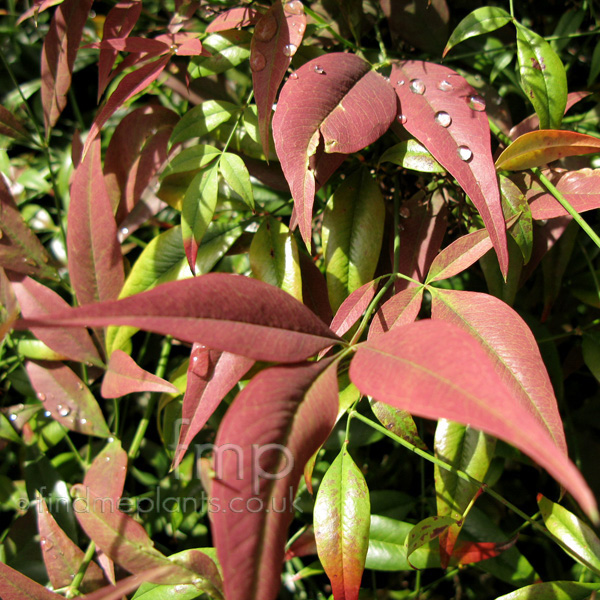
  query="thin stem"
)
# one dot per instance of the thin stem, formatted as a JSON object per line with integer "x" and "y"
{"x": 325, "y": 25}
{"x": 465, "y": 476}
{"x": 143, "y": 425}
{"x": 73, "y": 589}
{"x": 74, "y": 450}
{"x": 396, "y": 266}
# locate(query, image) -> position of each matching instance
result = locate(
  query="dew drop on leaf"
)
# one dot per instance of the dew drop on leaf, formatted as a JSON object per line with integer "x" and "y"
{"x": 47, "y": 413}
{"x": 266, "y": 28}
{"x": 290, "y": 49}
{"x": 319, "y": 70}
{"x": 107, "y": 458}
{"x": 417, "y": 86}
{"x": 301, "y": 27}
{"x": 445, "y": 85}
{"x": 465, "y": 153}
{"x": 257, "y": 61}
{"x": 82, "y": 421}
{"x": 294, "y": 7}
{"x": 63, "y": 411}
{"x": 476, "y": 102}
{"x": 402, "y": 119}
{"x": 124, "y": 230}
{"x": 293, "y": 75}
{"x": 46, "y": 544}
{"x": 443, "y": 118}
{"x": 180, "y": 588}
{"x": 12, "y": 417}
{"x": 41, "y": 397}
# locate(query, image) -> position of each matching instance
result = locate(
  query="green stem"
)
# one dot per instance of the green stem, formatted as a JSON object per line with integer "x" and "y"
{"x": 325, "y": 25}
{"x": 143, "y": 425}
{"x": 465, "y": 476}
{"x": 75, "y": 452}
{"x": 73, "y": 589}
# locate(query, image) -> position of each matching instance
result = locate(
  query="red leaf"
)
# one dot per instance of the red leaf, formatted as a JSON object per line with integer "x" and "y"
{"x": 436, "y": 370}
{"x": 510, "y": 345}
{"x": 255, "y": 485}
{"x": 353, "y": 307}
{"x": 62, "y": 557}
{"x": 448, "y": 117}
{"x": 314, "y": 288}
{"x": 95, "y": 260}
{"x": 277, "y": 36}
{"x": 20, "y": 249}
{"x": 35, "y": 299}
{"x": 335, "y": 105}
{"x": 211, "y": 375}
{"x": 38, "y": 7}
{"x": 401, "y": 309}
{"x": 132, "y": 84}
{"x": 106, "y": 475}
{"x": 16, "y": 586}
{"x": 58, "y": 56}
{"x": 234, "y": 18}
{"x": 119, "y": 23}
{"x": 68, "y": 399}
{"x": 226, "y": 312}
{"x": 459, "y": 255}
{"x": 138, "y": 45}
{"x": 424, "y": 223}
{"x": 123, "y": 376}
{"x": 11, "y": 126}
{"x": 471, "y": 552}
{"x": 580, "y": 188}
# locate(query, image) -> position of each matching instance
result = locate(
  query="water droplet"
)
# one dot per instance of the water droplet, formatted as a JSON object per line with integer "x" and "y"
{"x": 266, "y": 28}
{"x": 180, "y": 588}
{"x": 290, "y": 49}
{"x": 12, "y": 417}
{"x": 416, "y": 86}
{"x": 293, "y": 75}
{"x": 63, "y": 411}
{"x": 107, "y": 458}
{"x": 124, "y": 230}
{"x": 443, "y": 118}
{"x": 46, "y": 544}
{"x": 402, "y": 119}
{"x": 445, "y": 85}
{"x": 110, "y": 440}
{"x": 400, "y": 82}
{"x": 47, "y": 414}
{"x": 257, "y": 61}
{"x": 405, "y": 212}
{"x": 41, "y": 397}
{"x": 82, "y": 421}
{"x": 476, "y": 102}
{"x": 465, "y": 153}
{"x": 319, "y": 70}
{"x": 301, "y": 27}
{"x": 80, "y": 385}
{"x": 294, "y": 7}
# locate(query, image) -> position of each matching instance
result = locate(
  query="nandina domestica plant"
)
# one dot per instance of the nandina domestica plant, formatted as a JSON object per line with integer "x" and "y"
{"x": 275, "y": 263}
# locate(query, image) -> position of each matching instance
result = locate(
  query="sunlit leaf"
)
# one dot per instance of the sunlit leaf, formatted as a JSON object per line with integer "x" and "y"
{"x": 233, "y": 18}
{"x": 235, "y": 173}
{"x": 447, "y": 115}
{"x": 16, "y": 586}
{"x": 401, "y": 309}
{"x": 543, "y": 77}
{"x": 515, "y": 204}
{"x": 443, "y": 372}
{"x": 341, "y": 522}
{"x": 541, "y": 147}
{"x": 399, "y": 422}
{"x": 482, "y": 20}
{"x": 203, "y": 119}
{"x": 228, "y": 49}
{"x": 557, "y": 590}
{"x": 424, "y": 532}
{"x": 353, "y": 307}
{"x": 250, "y": 527}
{"x": 334, "y": 105}
{"x": 274, "y": 257}
{"x": 222, "y": 311}
{"x": 412, "y": 155}
{"x": 353, "y": 226}
{"x": 61, "y": 44}
{"x": 573, "y": 532}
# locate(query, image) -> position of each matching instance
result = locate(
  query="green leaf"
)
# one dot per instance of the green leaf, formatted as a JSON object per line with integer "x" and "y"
{"x": 197, "y": 211}
{"x": 203, "y": 119}
{"x": 591, "y": 352}
{"x": 341, "y": 521}
{"x": 191, "y": 159}
{"x": 387, "y": 551}
{"x": 236, "y": 175}
{"x": 466, "y": 449}
{"x": 274, "y": 257}
{"x": 398, "y": 421}
{"x": 543, "y": 77}
{"x": 424, "y": 532}
{"x": 594, "y": 66}
{"x": 228, "y": 49}
{"x": 575, "y": 534}
{"x": 554, "y": 590}
{"x": 514, "y": 203}
{"x": 480, "y": 21}
{"x": 353, "y": 225}
{"x": 412, "y": 155}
